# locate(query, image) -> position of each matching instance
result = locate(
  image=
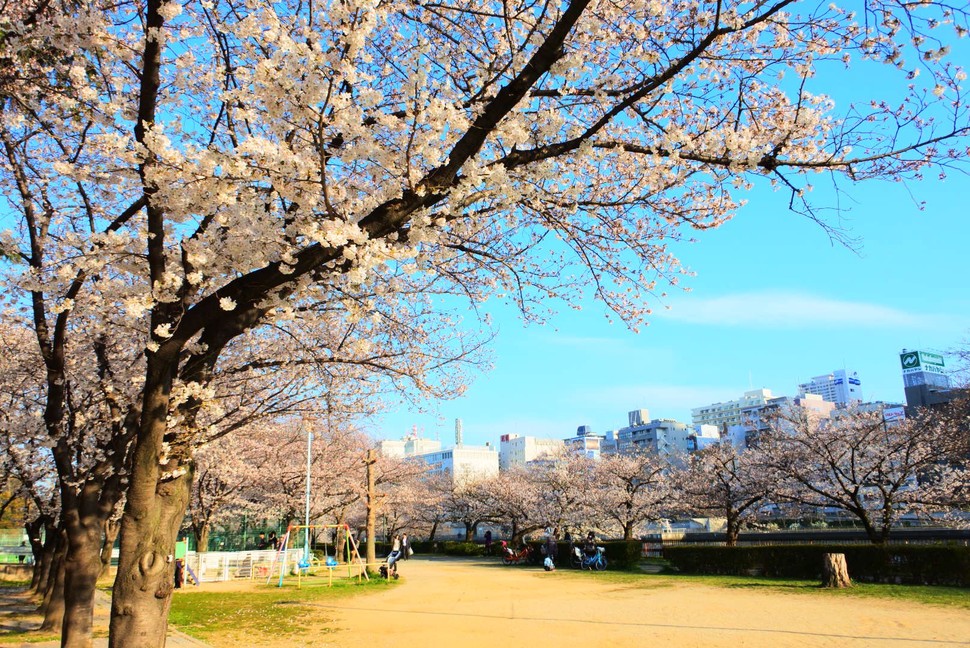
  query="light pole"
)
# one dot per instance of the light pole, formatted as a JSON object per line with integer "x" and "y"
{"x": 306, "y": 512}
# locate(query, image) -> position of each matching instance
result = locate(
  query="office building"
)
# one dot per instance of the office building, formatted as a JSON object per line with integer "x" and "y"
{"x": 925, "y": 380}
{"x": 515, "y": 450}
{"x": 840, "y": 387}
{"x": 463, "y": 464}
{"x": 724, "y": 415}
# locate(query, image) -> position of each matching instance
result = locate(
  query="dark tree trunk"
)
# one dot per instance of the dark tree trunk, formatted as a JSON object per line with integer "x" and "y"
{"x": 43, "y": 550}
{"x": 82, "y": 565}
{"x": 202, "y": 537}
{"x": 434, "y": 530}
{"x": 53, "y": 606}
{"x": 733, "y": 531}
{"x": 628, "y": 531}
{"x": 111, "y": 530}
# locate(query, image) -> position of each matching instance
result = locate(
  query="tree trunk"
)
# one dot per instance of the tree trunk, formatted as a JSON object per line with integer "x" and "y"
{"x": 434, "y": 530}
{"x": 835, "y": 571}
{"x": 202, "y": 537}
{"x": 146, "y": 566}
{"x": 111, "y": 529}
{"x": 82, "y": 565}
{"x": 53, "y": 606}
{"x": 628, "y": 531}
{"x": 43, "y": 550}
{"x": 733, "y": 531}
{"x": 153, "y": 513}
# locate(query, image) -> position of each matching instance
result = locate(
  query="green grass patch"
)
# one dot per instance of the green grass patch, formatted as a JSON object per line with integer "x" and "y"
{"x": 28, "y": 636}
{"x": 263, "y": 612}
{"x": 954, "y": 597}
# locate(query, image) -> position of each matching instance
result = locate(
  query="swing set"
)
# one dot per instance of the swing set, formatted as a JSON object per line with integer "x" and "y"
{"x": 299, "y": 560}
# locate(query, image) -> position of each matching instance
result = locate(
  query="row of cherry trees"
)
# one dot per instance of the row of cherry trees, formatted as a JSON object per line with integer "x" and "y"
{"x": 220, "y": 211}
{"x": 854, "y": 463}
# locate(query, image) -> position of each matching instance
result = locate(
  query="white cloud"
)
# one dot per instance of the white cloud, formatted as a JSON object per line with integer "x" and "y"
{"x": 776, "y": 309}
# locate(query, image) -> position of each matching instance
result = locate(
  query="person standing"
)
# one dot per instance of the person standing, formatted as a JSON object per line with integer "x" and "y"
{"x": 179, "y": 573}
{"x": 488, "y": 542}
{"x": 395, "y": 555}
{"x": 405, "y": 547}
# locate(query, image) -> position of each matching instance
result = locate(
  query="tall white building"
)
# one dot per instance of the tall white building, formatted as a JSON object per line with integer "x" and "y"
{"x": 724, "y": 415}
{"x": 409, "y": 446}
{"x": 515, "y": 450}
{"x": 841, "y": 387}
{"x": 463, "y": 464}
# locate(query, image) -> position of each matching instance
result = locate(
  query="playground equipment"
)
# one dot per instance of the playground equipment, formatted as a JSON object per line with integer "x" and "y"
{"x": 300, "y": 561}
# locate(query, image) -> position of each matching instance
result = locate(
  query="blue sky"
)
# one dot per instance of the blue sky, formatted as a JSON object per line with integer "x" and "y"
{"x": 774, "y": 303}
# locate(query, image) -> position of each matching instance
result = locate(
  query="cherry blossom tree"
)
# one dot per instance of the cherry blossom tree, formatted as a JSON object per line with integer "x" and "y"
{"x": 206, "y": 170}
{"x": 69, "y": 420}
{"x": 720, "y": 480}
{"x": 465, "y": 504}
{"x": 512, "y": 499}
{"x": 631, "y": 489}
{"x": 567, "y": 488}
{"x": 857, "y": 463}
{"x": 428, "y": 510}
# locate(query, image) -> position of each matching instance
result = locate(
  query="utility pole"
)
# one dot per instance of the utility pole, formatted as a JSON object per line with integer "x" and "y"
{"x": 371, "y": 499}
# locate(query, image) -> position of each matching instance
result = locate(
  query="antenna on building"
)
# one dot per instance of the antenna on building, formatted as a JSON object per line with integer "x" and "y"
{"x": 457, "y": 433}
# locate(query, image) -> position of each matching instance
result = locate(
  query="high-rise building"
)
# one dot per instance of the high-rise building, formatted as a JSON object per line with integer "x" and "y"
{"x": 724, "y": 415}
{"x": 924, "y": 379}
{"x": 841, "y": 387}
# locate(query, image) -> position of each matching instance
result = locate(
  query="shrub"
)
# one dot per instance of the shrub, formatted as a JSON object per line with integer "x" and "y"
{"x": 909, "y": 564}
{"x": 453, "y": 548}
{"x": 622, "y": 554}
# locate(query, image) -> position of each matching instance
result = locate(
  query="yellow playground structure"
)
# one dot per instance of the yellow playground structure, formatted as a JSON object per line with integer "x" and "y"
{"x": 294, "y": 560}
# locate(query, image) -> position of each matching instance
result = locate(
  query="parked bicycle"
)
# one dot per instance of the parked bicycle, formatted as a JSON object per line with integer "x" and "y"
{"x": 581, "y": 560}
{"x": 510, "y": 557}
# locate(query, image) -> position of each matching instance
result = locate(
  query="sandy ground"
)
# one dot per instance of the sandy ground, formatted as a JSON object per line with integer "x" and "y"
{"x": 473, "y": 603}
{"x": 468, "y": 604}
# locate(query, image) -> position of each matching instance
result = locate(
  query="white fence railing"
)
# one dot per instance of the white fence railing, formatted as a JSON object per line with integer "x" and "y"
{"x": 214, "y": 566}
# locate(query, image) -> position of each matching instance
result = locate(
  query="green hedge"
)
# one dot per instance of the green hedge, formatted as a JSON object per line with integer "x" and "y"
{"x": 910, "y": 564}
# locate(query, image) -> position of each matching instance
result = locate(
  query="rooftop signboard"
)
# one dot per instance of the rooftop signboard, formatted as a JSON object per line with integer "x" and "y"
{"x": 913, "y": 361}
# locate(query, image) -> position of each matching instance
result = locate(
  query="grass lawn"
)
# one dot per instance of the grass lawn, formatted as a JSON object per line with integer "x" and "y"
{"x": 261, "y": 611}
{"x": 956, "y": 597}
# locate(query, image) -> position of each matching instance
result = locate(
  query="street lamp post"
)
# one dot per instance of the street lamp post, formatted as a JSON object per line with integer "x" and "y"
{"x": 306, "y": 512}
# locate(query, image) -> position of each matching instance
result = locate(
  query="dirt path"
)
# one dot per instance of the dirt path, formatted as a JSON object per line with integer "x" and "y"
{"x": 469, "y": 604}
